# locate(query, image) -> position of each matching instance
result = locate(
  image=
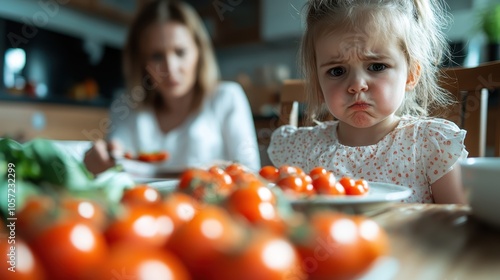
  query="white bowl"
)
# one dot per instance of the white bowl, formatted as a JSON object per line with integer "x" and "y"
{"x": 481, "y": 180}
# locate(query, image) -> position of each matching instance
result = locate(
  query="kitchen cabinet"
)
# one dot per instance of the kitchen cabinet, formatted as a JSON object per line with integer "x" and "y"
{"x": 230, "y": 22}
{"x": 119, "y": 11}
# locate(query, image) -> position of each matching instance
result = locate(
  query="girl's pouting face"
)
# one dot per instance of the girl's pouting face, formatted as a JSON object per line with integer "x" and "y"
{"x": 363, "y": 77}
{"x": 171, "y": 57}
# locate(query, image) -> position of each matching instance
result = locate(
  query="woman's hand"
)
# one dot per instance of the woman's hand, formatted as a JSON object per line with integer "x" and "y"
{"x": 100, "y": 157}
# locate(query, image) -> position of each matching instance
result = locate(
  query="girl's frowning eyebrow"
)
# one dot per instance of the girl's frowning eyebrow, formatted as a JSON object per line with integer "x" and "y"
{"x": 365, "y": 57}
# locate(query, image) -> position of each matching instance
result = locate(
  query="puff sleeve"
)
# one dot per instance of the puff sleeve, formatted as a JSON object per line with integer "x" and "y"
{"x": 442, "y": 146}
{"x": 291, "y": 145}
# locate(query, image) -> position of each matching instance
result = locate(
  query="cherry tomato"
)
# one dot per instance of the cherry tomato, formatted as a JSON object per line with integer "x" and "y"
{"x": 317, "y": 171}
{"x": 206, "y": 236}
{"x": 141, "y": 225}
{"x": 36, "y": 213}
{"x": 18, "y": 261}
{"x": 374, "y": 240}
{"x": 364, "y": 183}
{"x": 197, "y": 182}
{"x": 327, "y": 184}
{"x": 334, "y": 249}
{"x": 351, "y": 187}
{"x": 296, "y": 183}
{"x": 161, "y": 156}
{"x": 141, "y": 195}
{"x": 270, "y": 173}
{"x": 85, "y": 210}
{"x": 153, "y": 156}
{"x": 287, "y": 170}
{"x": 180, "y": 207}
{"x": 146, "y": 157}
{"x": 132, "y": 262}
{"x": 128, "y": 155}
{"x": 257, "y": 204}
{"x": 70, "y": 249}
{"x": 245, "y": 178}
{"x": 264, "y": 256}
{"x": 234, "y": 169}
{"x": 223, "y": 180}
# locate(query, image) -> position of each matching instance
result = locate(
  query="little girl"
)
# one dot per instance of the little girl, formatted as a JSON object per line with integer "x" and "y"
{"x": 373, "y": 64}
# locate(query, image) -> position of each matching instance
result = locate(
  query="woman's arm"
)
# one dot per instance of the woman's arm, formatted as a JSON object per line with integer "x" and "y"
{"x": 448, "y": 189}
{"x": 238, "y": 128}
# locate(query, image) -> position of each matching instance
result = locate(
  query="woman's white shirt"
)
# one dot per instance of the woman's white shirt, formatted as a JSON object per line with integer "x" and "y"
{"x": 222, "y": 130}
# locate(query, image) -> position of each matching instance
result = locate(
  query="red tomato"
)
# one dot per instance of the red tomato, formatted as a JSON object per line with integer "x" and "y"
{"x": 18, "y": 261}
{"x": 264, "y": 256}
{"x": 70, "y": 250}
{"x": 317, "y": 171}
{"x": 270, "y": 173}
{"x": 141, "y": 195}
{"x": 334, "y": 249}
{"x": 36, "y": 213}
{"x": 199, "y": 241}
{"x": 85, "y": 210}
{"x": 327, "y": 184}
{"x": 245, "y": 178}
{"x": 234, "y": 169}
{"x": 141, "y": 225}
{"x": 257, "y": 204}
{"x": 128, "y": 155}
{"x": 180, "y": 207}
{"x": 374, "y": 240}
{"x": 364, "y": 183}
{"x": 223, "y": 180}
{"x": 132, "y": 262}
{"x": 162, "y": 156}
{"x": 197, "y": 182}
{"x": 296, "y": 183}
{"x": 286, "y": 170}
{"x": 351, "y": 187}
{"x": 153, "y": 156}
{"x": 193, "y": 177}
{"x": 146, "y": 157}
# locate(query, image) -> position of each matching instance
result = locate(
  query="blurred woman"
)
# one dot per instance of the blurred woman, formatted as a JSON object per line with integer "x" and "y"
{"x": 175, "y": 101}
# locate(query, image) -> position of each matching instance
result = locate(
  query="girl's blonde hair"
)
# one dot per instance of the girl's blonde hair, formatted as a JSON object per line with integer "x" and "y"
{"x": 417, "y": 26}
{"x": 159, "y": 12}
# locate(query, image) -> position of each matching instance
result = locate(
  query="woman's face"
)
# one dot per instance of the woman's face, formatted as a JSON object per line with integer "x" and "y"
{"x": 363, "y": 78}
{"x": 171, "y": 57}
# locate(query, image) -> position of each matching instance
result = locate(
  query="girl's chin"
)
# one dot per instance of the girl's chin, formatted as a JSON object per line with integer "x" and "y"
{"x": 174, "y": 92}
{"x": 361, "y": 120}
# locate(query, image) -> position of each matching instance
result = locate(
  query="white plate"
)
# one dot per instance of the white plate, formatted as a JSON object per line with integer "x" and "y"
{"x": 379, "y": 193}
{"x": 165, "y": 185}
{"x": 145, "y": 172}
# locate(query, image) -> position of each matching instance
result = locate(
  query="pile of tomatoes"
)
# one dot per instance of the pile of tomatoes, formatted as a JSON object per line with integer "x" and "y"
{"x": 295, "y": 181}
{"x": 157, "y": 156}
{"x": 221, "y": 223}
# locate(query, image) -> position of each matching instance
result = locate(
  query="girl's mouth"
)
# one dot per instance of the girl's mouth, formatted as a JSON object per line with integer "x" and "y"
{"x": 359, "y": 106}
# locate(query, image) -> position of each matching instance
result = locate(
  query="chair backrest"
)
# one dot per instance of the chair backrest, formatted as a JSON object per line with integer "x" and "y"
{"x": 469, "y": 86}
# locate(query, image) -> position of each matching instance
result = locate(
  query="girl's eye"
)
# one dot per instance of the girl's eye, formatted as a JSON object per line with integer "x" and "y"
{"x": 377, "y": 67}
{"x": 336, "y": 71}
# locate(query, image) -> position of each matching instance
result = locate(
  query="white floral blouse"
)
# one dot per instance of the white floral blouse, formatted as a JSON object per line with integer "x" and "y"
{"x": 416, "y": 153}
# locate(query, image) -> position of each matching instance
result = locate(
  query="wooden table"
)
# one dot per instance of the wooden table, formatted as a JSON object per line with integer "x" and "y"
{"x": 445, "y": 242}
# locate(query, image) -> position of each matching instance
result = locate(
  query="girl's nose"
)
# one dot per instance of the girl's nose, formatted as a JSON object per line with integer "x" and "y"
{"x": 357, "y": 84}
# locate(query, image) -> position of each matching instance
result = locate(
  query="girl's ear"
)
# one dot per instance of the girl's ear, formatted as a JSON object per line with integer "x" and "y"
{"x": 413, "y": 77}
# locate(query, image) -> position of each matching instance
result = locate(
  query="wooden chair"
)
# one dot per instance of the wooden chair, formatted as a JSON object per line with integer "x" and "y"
{"x": 469, "y": 86}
